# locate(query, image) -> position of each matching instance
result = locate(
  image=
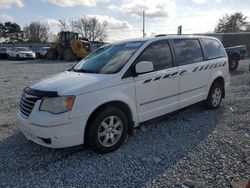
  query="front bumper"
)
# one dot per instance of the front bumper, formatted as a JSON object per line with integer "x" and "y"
{"x": 57, "y": 134}
{"x": 27, "y": 56}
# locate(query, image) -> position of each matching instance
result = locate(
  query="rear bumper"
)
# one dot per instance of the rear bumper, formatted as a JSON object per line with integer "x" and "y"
{"x": 56, "y": 135}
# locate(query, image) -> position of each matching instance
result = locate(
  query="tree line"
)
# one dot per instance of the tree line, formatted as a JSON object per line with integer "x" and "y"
{"x": 89, "y": 28}
{"x": 233, "y": 23}
{"x": 35, "y": 32}
{"x": 95, "y": 30}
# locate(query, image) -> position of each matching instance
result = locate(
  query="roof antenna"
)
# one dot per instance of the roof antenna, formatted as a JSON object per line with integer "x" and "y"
{"x": 179, "y": 30}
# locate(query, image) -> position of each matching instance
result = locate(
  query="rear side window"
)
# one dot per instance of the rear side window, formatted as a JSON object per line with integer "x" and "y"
{"x": 213, "y": 49}
{"x": 187, "y": 51}
{"x": 159, "y": 54}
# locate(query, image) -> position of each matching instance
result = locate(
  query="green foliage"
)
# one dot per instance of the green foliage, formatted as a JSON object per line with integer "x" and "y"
{"x": 232, "y": 23}
{"x": 11, "y": 32}
{"x": 2, "y": 30}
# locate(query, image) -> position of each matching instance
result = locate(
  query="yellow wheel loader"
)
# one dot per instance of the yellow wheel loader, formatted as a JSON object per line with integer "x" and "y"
{"x": 69, "y": 47}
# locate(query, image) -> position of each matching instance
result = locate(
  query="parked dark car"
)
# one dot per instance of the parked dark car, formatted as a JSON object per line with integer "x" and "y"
{"x": 41, "y": 52}
{"x": 3, "y": 53}
{"x": 235, "y": 54}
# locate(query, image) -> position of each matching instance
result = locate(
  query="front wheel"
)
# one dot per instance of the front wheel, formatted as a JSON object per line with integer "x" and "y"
{"x": 215, "y": 95}
{"x": 108, "y": 130}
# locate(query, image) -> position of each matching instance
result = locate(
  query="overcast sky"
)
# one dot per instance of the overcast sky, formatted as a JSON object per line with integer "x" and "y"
{"x": 125, "y": 16}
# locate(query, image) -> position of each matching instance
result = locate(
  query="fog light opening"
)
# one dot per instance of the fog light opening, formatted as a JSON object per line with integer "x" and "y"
{"x": 46, "y": 140}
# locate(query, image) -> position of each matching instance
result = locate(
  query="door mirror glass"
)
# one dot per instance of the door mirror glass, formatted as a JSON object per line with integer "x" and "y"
{"x": 144, "y": 67}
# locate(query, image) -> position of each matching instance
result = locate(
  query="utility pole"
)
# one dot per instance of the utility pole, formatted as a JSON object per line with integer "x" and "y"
{"x": 143, "y": 22}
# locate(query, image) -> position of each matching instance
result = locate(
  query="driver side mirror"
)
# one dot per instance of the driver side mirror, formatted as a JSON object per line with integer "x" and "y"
{"x": 144, "y": 67}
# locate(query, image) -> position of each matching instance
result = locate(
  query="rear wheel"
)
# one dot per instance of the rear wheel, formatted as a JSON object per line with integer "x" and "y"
{"x": 69, "y": 55}
{"x": 38, "y": 55}
{"x": 52, "y": 54}
{"x": 215, "y": 95}
{"x": 17, "y": 57}
{"x": 107, "y": 131}
{"x": 233, "y": 63}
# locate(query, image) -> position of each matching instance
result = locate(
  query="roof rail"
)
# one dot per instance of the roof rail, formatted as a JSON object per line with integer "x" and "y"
{"x": 161, "y": 35}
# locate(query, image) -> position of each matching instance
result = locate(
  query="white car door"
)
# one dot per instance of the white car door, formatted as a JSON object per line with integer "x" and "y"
{"x": 157, "y": 91}
{"x": 194, "y": 71}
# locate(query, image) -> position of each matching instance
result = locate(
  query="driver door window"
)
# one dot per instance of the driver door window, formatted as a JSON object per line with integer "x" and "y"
{"x": 159, "y": 54}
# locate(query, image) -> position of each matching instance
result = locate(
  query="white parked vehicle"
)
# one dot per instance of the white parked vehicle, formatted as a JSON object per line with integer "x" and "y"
{"x": 41, "y": 52}
{"x": 19, "y": 53}
{"x": 103, "y": 97}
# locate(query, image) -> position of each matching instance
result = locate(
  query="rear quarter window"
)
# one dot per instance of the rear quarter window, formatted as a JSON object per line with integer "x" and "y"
{"x": 187, "y": 51}
{"x": 213, "y": 49}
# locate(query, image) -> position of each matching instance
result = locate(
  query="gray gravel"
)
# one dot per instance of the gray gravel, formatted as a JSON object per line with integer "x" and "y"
{"x": 191, "y": 148}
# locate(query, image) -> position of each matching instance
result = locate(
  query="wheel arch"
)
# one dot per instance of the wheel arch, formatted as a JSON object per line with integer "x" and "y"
{"x": 235, "y": 55}
{"x": 221, "y": 81}
{"x": 125, "y": 108}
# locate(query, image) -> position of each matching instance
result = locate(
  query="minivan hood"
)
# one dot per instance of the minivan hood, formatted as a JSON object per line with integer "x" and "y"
{"x": 72, "y": 83}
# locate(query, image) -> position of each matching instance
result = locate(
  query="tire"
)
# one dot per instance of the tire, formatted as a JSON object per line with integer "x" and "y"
{"x": 215, "y": 96}
{"x": 107, "y": 131}
{"x": 69, "y": 55}
{"x": 233, "y": 63}
{"x": 52, "y": 54}
{"x": 18, "y": 58}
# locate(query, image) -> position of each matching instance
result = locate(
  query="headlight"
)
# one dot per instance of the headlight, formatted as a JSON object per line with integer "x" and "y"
{"x": 57, "y": 105}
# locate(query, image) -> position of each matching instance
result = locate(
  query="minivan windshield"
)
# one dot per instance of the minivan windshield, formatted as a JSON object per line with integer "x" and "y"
{"x": 108, "y": 59}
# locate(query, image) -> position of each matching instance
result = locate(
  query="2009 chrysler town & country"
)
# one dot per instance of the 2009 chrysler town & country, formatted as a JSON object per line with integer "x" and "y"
{"x": 101, "y": 98}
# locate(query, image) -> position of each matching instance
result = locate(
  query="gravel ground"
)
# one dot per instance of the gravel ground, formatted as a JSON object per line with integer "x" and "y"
{"x": 191, "y": 148}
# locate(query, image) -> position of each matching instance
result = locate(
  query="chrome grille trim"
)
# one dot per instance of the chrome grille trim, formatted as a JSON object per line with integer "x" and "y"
{"x": 27, "y": 103}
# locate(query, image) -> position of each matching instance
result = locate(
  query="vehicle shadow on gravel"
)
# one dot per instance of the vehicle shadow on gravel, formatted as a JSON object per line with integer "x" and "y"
{"x": 237, "y": 72}
{"x": 155, "y": 147}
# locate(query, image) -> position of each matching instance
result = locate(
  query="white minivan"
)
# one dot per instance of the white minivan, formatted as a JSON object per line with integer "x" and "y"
{"x": 102, "y": 98}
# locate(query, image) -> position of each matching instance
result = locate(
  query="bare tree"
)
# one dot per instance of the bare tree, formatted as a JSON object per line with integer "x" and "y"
{"x": 52, "y": 37}
{"x": 90, "y": 28}
{"x": 36, "y": 32}
{"x": 64, "y": 25}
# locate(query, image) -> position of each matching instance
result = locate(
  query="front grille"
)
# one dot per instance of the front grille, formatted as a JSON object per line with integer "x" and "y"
{"x": 27, "y": 104}
{"x": 28, "y": 55}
